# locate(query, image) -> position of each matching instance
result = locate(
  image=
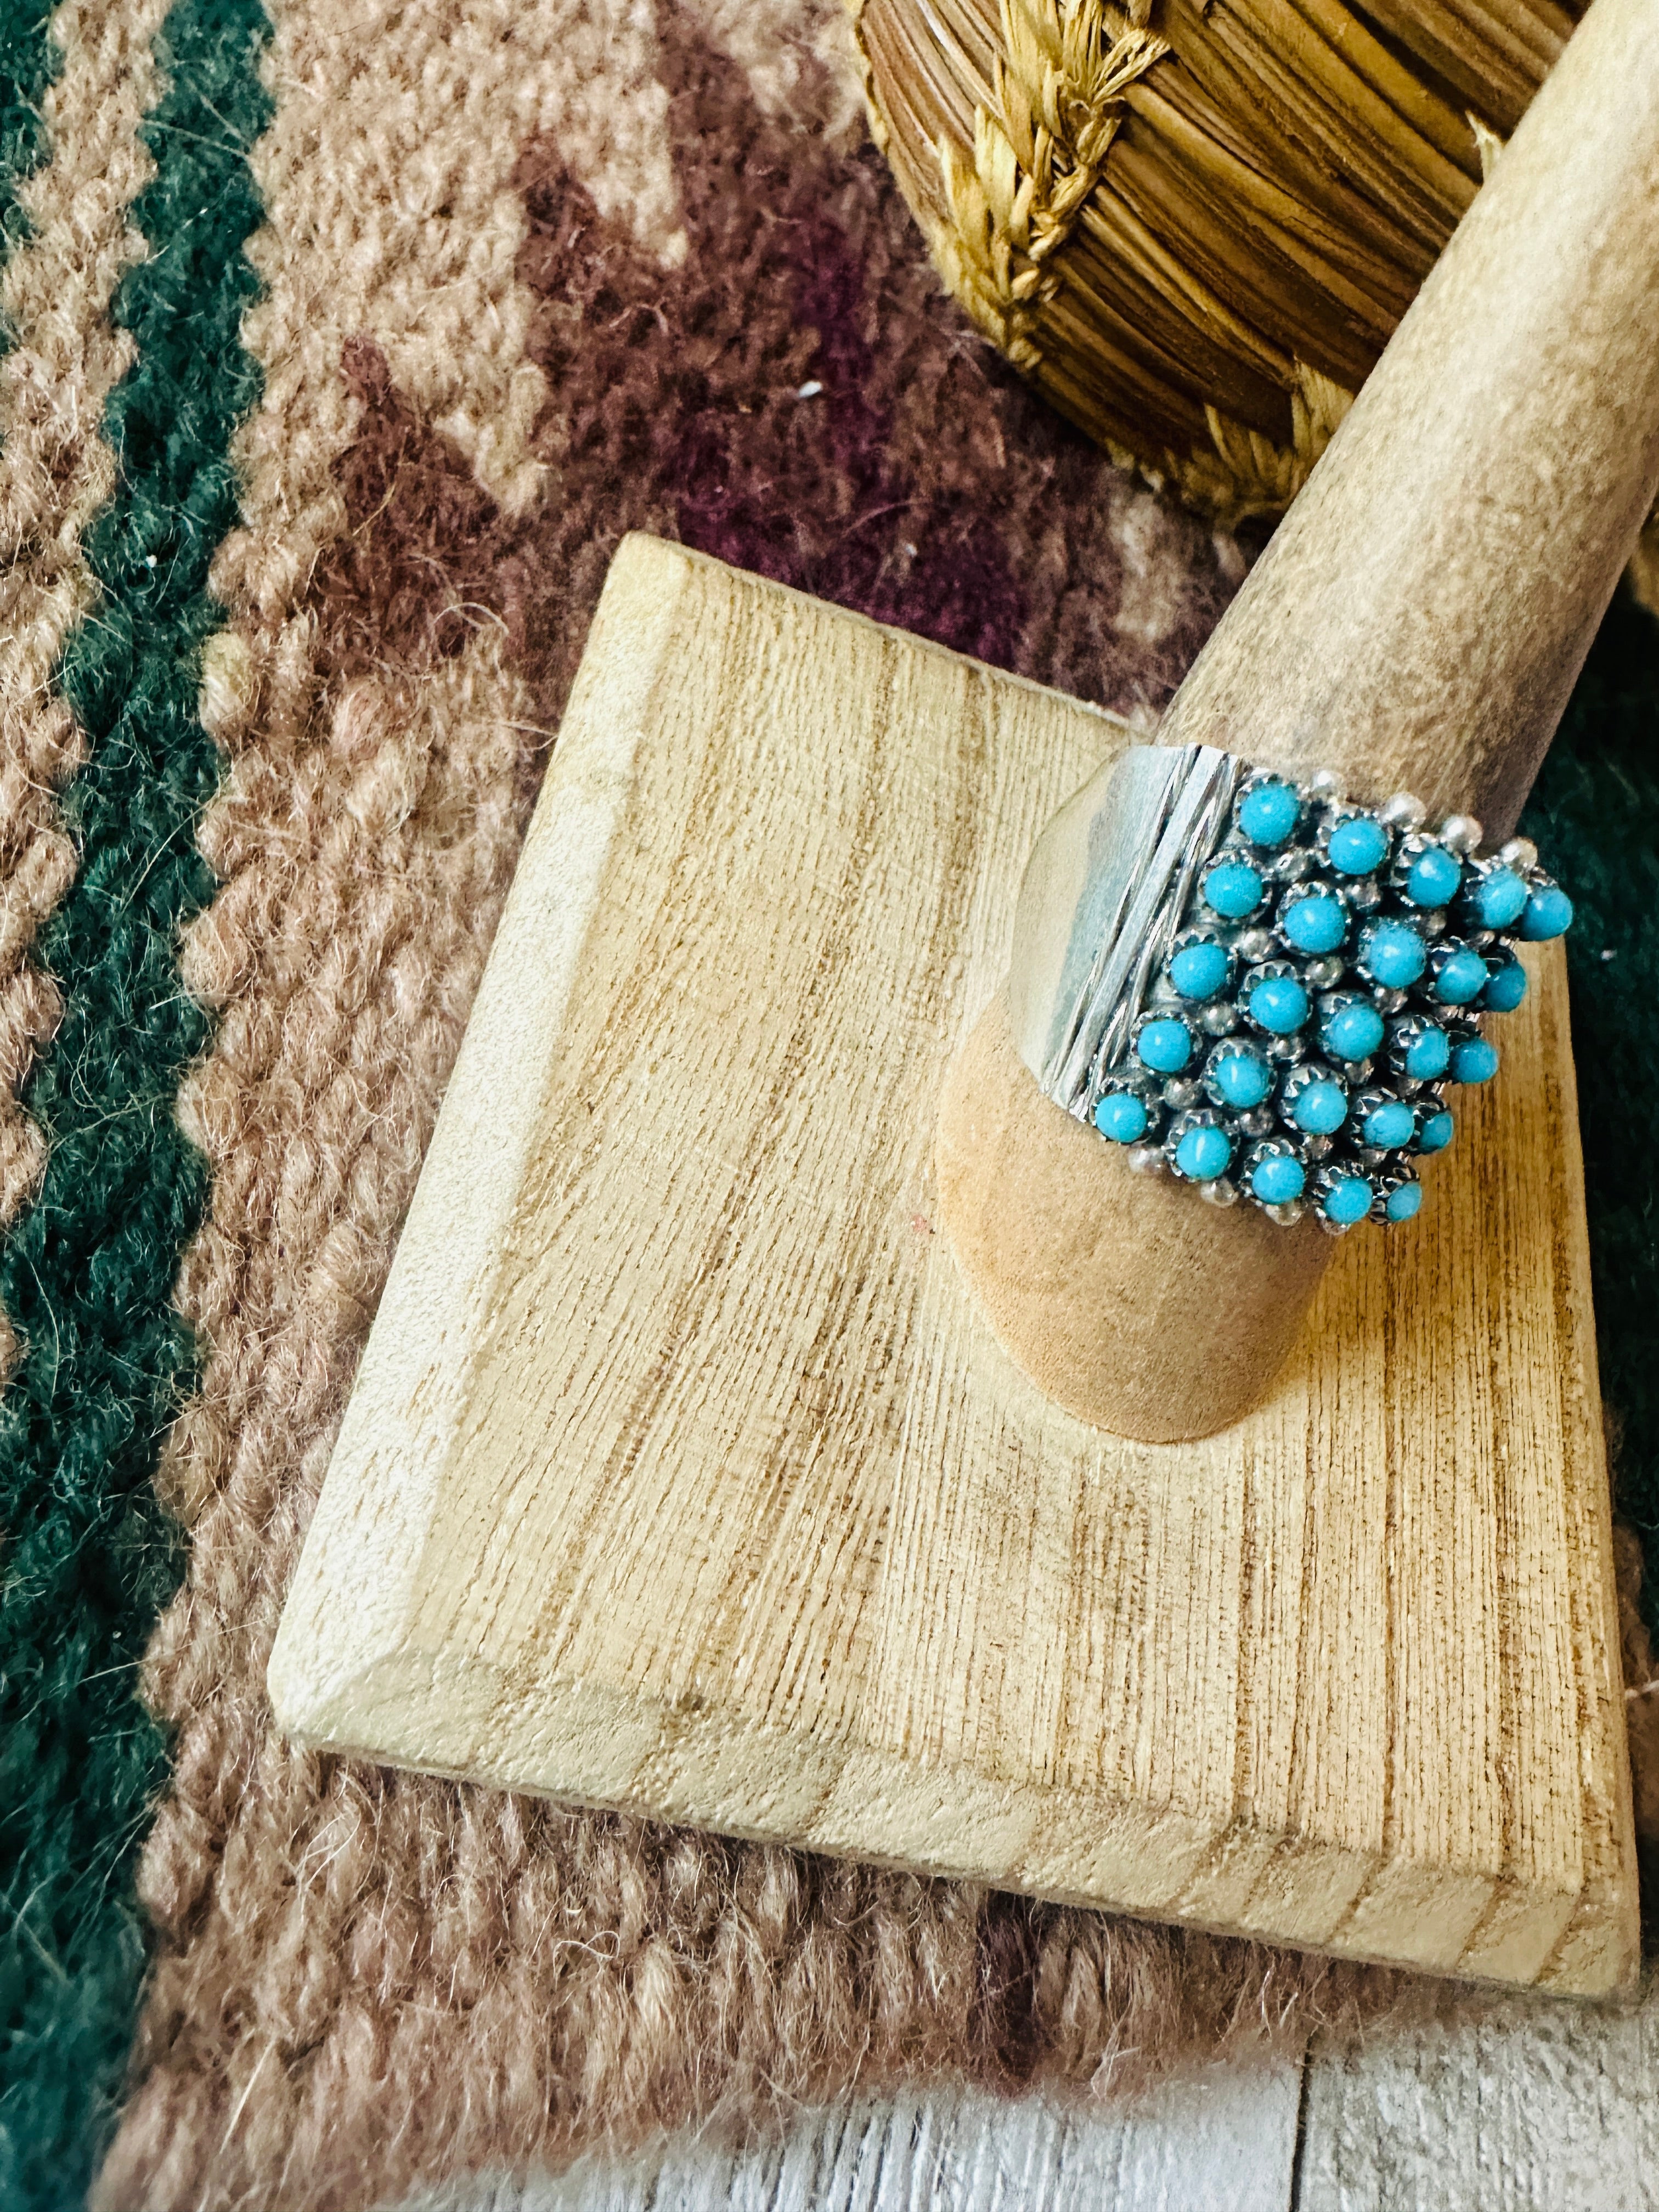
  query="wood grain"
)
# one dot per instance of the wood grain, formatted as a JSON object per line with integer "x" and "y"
{"x": 683, "y": 1473}
{"x": 1511, "y": 2108}
{"x": 1422, "y": 613}
{"x": 1042, "y": 1217}
{"x": 1225, "y": 2138}
{"x": 1415, "y": 625}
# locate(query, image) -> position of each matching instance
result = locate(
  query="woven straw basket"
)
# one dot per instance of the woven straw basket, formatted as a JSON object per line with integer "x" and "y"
{"x": 1194, "y": 224}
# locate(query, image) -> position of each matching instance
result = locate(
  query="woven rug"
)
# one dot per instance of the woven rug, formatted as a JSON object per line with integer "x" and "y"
{"x": 342, "y": 341}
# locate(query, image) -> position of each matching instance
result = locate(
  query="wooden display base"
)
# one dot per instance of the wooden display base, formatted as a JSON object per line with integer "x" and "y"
{"x": 683, "y": 1474}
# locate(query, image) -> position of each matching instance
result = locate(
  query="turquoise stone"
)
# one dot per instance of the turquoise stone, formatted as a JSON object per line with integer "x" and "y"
{"x": 1315, "y": 924}
{"x": 1352, "y": 1032}
{"x": 1121, "y": 1116}
{"x": 1349, "y": 1199}
{"x": 1358, "y": 846}
{"x": 1434, "y": 877}
{"x": 1277, "y": 1179}
{"x": 1165, "y": 1046}
{"x": 1198, "y": 971}
{"x": 1268, "y": 812}
{"x": 1279, "y": 1004}
{"x": 1385, "y": 1127}
{"x": 1393, "y": 953}
{"x": 1203, "y": 1154}
{"x": 1505, "y": 987}
{"x": 1549, "y": 913}
{"x": 1404, "y": 1202}
{"x": 1461, "y": 977}
{"x": 1242, "y": 1076}
{"x": 1233, "y": 889}
{"x": 1473, "y": 1060}
{"x": 1430, "y": 1056}
{"x": 1321, "y": 1108}
{"x": 1436, "y": 1133}
{"x": 1499, "y": 898}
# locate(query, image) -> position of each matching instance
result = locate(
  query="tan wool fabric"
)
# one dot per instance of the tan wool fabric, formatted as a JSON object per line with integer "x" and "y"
{"x": 536, "y": 272}
{"x": 56, "y": 473}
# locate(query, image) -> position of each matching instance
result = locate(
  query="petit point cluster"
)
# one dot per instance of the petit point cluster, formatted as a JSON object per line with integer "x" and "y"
{"x": 1332, "y": 976}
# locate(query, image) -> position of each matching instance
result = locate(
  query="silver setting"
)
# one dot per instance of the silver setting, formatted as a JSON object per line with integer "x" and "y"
{"x": 1405, "y": 811}
{"x": 1460, "y": 833}
{"x": 1119, "y": 885}
{"x": 1103, "y": 899}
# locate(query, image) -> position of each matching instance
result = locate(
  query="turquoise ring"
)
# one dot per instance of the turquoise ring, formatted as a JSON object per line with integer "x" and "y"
{"x": 1264, "y": 987}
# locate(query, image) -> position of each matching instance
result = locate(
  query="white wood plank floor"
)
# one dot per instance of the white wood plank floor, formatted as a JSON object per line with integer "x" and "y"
{"x": 1522, "y": 2105}
{"x": 1228, "y": 2139}
{"x": 1530, "y": 2107}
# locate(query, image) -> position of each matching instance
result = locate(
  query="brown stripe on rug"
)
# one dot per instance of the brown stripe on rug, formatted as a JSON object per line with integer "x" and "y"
{"x": 537, "y": 276}
{"x": 63, "y": 358}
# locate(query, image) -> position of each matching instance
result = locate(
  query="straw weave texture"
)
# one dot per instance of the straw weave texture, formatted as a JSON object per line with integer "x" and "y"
{"x": 1195, "y": 224}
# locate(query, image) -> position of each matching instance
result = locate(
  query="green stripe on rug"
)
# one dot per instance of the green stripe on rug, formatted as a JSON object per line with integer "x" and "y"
{"x": 29, "y": 60}
{"x": 89, "y": 1557}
